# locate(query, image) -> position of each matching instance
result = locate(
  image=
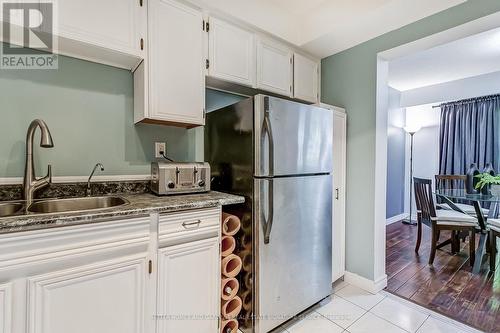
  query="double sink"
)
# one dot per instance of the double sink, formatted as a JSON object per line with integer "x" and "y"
{"x": 62, "y": 205}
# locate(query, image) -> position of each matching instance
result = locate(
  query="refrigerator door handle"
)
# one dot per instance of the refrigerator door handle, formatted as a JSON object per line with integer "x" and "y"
{"x": 269, "y": 224}
{"x": 267, "y": 129}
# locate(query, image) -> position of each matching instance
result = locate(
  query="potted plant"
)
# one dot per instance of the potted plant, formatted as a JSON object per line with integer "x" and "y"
{"x": 486, "y": 180}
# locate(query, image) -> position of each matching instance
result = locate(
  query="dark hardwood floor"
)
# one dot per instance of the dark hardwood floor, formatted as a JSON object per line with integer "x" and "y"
{"x": 447, "y": 287}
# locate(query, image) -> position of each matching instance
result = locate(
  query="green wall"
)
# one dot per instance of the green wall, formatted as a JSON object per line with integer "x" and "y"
{"x": 89, "y": 110}
{"x": 349, "y": 81}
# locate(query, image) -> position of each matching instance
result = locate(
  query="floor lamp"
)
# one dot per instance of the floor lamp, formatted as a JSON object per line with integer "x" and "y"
{"x": 411, "y": 130}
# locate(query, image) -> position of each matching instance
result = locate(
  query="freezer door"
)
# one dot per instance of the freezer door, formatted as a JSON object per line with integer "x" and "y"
{"x": 293, "y": 234}
{"x": 291, "y": 138}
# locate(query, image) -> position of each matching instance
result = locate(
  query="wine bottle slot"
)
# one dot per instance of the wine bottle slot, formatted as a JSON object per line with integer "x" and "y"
{"x": 246, "y": 258}
{"x": 229, "y": 326}
{"x": 232, "y": 308}
{"x": 231, "y": 266}
{"x": 246, "y": 242}
{"x": 229, "y": 288}
{"x": 247, "y": 300}
{"x": 231, "y": 224}
{"x": 247, "y": 279}
{"x": 228, "y": 245}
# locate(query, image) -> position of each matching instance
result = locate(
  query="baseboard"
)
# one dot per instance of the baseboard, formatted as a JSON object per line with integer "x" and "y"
{"x": 364, "y": 283}
{"x": 396, "y": 218}
{"x": 79, "y": 179}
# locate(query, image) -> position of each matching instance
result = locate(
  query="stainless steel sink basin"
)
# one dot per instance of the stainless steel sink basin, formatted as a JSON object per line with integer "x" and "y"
{"x": 75, "y": 204}
{"x": 10, "y": 208}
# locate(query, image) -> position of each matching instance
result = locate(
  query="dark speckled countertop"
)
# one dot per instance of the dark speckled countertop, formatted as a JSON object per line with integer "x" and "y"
{"x": 139, "y": 204}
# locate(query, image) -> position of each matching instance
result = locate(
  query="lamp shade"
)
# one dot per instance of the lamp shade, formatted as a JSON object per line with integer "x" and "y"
{"x": 412, "y": 129}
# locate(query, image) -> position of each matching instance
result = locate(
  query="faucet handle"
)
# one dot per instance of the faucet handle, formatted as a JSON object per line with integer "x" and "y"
{"x": 49, "y": 173}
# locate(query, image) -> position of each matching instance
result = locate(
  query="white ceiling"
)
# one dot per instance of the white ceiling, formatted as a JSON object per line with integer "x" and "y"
{"x": 325, "y": 27}
{"x": 298, "y": 7}
{"x": 464, "y": 58}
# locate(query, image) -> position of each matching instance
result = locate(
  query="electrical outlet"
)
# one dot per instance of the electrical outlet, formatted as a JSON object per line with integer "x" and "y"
{"x": 160, "y": 147}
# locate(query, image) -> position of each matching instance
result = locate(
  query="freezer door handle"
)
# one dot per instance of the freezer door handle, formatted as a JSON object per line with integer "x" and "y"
{"x": 267, "y": 130}
{"x": 268, "y": 224}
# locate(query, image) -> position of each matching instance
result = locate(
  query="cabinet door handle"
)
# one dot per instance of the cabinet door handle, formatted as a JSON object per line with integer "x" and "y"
{"x": 336, "y": 194}
{"x": 191, "y": 225}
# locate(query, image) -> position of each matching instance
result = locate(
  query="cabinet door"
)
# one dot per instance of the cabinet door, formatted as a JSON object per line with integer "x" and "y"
{"x": 231, "y": 53}
{"x": 339, "y": 172}
{"x": 107, "y": 297}
{"x": 274, "y": 67}
{"x": 188, "y": 287}
{"x": 176, "y": 68}
{"x": 305, "y": 78}
{"x": 112, "y": 24}
{"x": 5, "y": 308}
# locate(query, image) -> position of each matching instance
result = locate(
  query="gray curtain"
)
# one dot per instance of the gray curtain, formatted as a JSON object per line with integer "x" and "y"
{"x": 469, "y": 133}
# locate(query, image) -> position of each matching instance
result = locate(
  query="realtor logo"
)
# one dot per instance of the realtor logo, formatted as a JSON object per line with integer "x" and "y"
{"x": 29, "y": 41}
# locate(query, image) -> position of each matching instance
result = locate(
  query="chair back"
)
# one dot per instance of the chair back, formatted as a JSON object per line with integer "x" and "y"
{"x": 423, "y": 198}
{"x": 445, "y": 182}
{"x": 449, "y": 182}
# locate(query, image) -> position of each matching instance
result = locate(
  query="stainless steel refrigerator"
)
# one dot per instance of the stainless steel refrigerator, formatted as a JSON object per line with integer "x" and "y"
{"x": 278, "y": 154}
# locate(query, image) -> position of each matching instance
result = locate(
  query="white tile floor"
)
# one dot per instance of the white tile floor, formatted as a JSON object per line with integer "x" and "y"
{"x": 354, "y": 310}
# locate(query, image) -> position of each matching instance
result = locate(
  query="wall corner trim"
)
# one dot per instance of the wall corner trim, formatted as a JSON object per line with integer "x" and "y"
{"x": 372, "y": 286}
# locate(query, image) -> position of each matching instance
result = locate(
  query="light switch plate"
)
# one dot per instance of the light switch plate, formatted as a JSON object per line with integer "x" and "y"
{"x": 160, "y": 146}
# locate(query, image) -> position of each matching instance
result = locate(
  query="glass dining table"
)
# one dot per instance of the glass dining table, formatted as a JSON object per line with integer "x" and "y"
{"x": 451, "y": 196}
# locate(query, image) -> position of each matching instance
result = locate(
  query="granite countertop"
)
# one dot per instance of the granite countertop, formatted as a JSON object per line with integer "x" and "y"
{"x": 139, "y": 204}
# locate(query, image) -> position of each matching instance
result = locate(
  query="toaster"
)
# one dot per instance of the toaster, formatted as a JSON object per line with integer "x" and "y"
{"x": 179, "y": 178}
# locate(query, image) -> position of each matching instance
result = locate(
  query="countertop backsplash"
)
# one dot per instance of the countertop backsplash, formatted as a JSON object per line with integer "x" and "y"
{"x": 69, "y": 190}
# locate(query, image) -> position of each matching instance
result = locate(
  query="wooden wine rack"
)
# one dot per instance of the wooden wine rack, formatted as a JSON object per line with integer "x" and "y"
{"x": 231, "y": 266}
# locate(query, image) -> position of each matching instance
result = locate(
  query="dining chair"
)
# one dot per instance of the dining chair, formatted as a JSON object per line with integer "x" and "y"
{"x": 439, "y": 220}
{"x": 452, "y": 182}
{"x": 494, "y": 226}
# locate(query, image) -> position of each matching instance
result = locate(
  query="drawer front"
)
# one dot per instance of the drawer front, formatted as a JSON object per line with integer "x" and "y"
{"x": 190, "y": 225}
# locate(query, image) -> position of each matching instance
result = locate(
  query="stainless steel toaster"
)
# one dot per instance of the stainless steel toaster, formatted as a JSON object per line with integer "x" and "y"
{"x": 179, "y": 178}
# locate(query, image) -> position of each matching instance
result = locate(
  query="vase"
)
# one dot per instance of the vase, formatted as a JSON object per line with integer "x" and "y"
{"x": 489, "y": 169}
{"x": 471, "y": 180}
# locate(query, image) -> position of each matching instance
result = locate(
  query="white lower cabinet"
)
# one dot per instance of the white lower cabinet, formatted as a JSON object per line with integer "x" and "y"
{"x": 78, "y": 279}
{"x": 138, "y": 275}
{"x": 339, "y": 180}
{"x": 5, "y": 308}
{"x": 188, "y": 292}
{"x": 107, "y": 296}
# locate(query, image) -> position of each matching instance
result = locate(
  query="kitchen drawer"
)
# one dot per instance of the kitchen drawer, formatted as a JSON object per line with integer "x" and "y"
{"x": 176, "y": 228}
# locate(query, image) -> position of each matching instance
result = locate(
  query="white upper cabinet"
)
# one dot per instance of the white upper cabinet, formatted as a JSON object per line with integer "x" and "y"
{"x": 174, "y": 73}
{"x": 231, "y": 53}
{"x": 111, "y": 32}
{"x": 114, "y": 24}
{"x": 274, "y": 67}
{"x": 306, "y": 78}
{"x": 108, "y": 32}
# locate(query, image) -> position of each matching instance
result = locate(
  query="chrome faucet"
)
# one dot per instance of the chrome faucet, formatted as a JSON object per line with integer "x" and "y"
{"x": 89, "y": 190}
{"x": 31, "y": 184}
